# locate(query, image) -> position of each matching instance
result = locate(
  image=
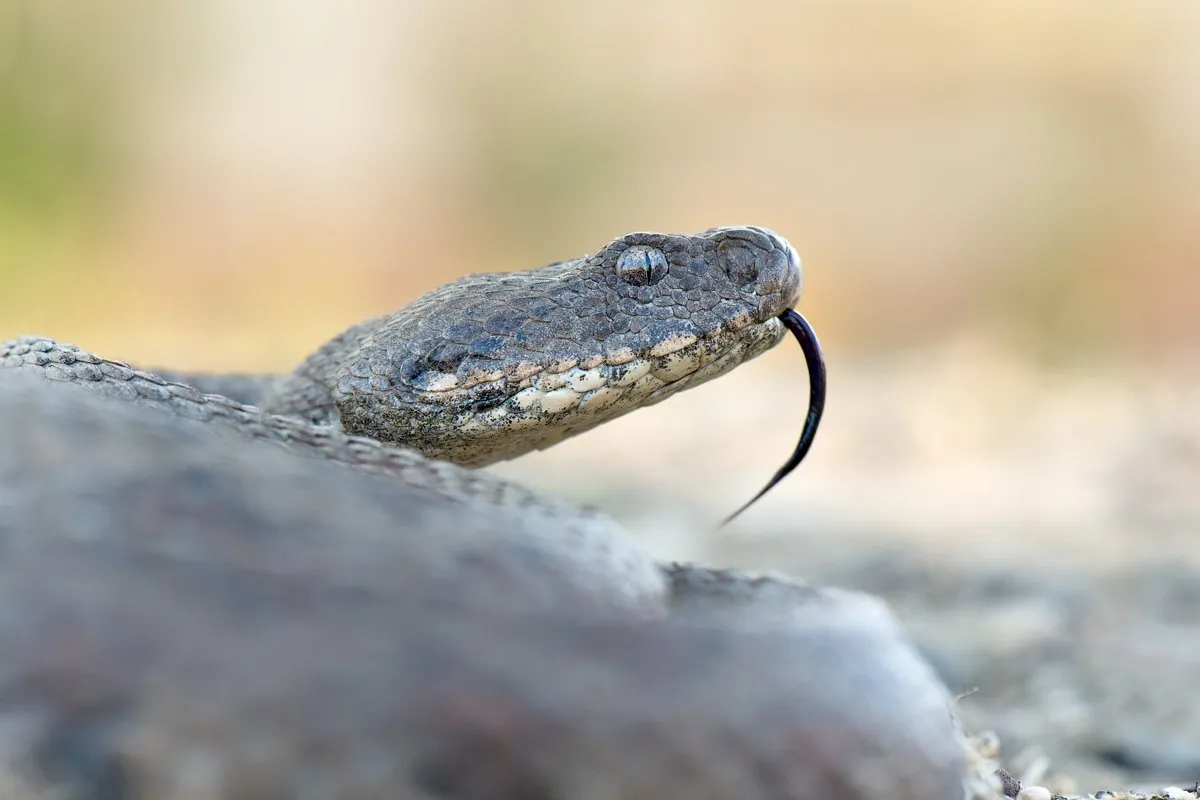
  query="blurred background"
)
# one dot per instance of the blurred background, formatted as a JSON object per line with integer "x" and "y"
{"x": 996, "y": 204}
{"x": 224, "y": 182}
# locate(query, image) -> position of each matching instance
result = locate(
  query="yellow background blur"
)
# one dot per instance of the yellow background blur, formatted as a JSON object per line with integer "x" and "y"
{"x": 224, "y": 183}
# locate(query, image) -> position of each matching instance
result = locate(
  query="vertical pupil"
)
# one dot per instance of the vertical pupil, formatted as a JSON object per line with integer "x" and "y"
{"x": 640, "y": 265}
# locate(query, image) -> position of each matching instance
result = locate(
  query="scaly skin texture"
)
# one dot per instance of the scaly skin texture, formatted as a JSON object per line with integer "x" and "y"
{"x": 191, "y": 610}
{"x": 494, "y": 366}
{"x": 66, "y": 364}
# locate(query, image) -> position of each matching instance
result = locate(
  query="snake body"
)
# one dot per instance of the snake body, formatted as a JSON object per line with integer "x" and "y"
{"x": 317, "y": 595}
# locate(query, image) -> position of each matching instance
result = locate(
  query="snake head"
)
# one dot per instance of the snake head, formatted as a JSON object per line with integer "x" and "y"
{"x": 497, "y": 365}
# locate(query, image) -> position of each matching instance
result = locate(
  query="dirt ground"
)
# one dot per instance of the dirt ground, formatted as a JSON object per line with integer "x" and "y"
{"x": 1034, "y": 529}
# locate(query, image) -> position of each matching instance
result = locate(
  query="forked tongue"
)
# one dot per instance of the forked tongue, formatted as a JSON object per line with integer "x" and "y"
{"x": 803, "y": 332}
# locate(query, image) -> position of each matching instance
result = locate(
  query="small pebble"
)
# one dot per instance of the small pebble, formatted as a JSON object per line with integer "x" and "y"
{"x": 1034, "y": 793}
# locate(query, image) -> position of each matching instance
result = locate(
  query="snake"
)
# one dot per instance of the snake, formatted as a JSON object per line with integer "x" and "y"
{"x": 308, "y": 585}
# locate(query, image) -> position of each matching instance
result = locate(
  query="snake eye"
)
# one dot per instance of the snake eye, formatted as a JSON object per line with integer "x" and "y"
{"x": 642, "y": 266}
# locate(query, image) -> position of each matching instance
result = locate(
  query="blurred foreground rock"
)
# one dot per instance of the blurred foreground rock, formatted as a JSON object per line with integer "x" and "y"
{"x": 188, "y": 615}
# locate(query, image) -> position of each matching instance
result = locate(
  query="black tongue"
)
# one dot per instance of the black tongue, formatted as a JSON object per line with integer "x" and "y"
{"x": 803, "y": 332}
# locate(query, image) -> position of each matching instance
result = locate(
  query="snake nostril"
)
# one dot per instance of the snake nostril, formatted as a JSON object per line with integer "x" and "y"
{"x": 740, "y": 261}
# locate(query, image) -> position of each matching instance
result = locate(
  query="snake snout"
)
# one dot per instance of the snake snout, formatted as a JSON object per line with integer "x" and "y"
{"x": 761, "y": 263}
{"x": 792, "y": 272}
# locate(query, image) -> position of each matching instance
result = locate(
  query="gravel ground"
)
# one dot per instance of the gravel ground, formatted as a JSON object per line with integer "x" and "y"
{"x": 1035, "y": 530}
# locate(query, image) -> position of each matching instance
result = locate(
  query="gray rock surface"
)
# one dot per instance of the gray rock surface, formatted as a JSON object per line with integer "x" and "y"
{"x": 191, "y": 615}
